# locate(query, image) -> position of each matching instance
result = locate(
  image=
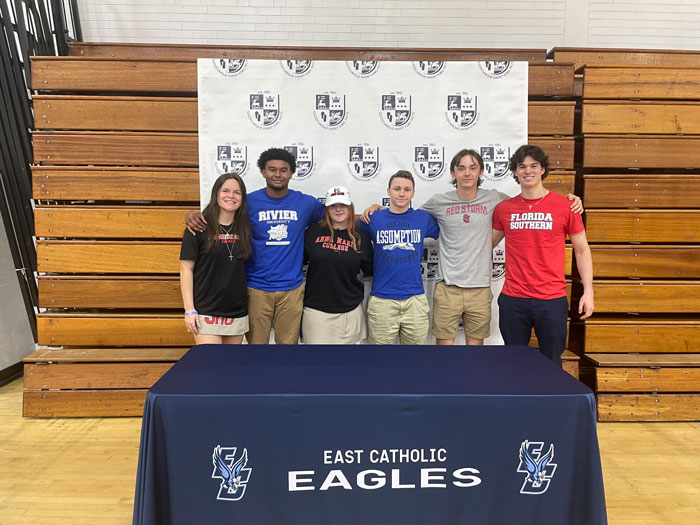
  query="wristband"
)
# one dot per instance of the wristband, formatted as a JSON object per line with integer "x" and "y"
{"x": 193, "y": 312}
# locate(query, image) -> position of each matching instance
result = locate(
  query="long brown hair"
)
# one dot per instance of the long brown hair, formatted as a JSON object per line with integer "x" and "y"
{"x": 352, "y": 230}
{"x": 241, "y": 223}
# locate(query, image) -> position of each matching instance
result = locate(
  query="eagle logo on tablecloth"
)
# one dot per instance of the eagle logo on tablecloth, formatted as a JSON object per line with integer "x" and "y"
{"x": 264, "y": 109}
{"x": 495, "y": 68}
{"x": 329, "y": 110}
{"x": 232, "y": 472}
{"x": 538, "y": 467}
{"x": 231, "y": 157}
{"x": 396, "y": 111}
{"x": 462, "y": 110}
{"x": 496, "y": 158}
{"x": 362, "y": 68}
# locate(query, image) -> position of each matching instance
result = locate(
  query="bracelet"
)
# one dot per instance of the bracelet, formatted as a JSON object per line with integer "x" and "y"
{"x": 193, "y": 312}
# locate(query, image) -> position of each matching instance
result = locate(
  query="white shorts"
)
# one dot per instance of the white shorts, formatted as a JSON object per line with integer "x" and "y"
{"x": 215, "y": 325}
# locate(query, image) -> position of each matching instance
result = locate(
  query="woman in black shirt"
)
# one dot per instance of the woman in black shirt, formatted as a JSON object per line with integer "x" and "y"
{"x": 335, "y": 251}
{"x": 212, "y": 272}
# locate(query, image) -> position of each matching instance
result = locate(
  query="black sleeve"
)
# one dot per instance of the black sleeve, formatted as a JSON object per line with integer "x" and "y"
{"x": 189, "y": 250}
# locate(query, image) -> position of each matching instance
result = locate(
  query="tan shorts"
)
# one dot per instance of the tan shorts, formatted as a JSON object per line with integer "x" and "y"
{"x": 215, "y": 325}
{"x": 406, "y": 319}
{"x": 452, "y": 303}
{"x": 347, "y": 328}
{"x": 278, "y": 311}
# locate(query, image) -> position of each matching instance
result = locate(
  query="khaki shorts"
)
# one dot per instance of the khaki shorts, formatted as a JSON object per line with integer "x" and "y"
{"x": 452, "y": 303}
{"x": 406, "y": 319}
{"x": 278, "y": 311}
{"x": 215, "y": 325}
{"x": 347, "y": 328}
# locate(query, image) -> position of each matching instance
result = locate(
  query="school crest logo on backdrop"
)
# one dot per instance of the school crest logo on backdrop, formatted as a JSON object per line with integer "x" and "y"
{"x": 396, "y": 112}
{"x": 539, "y": 467}
{"x": 329, "y": 109}
{"x": 230, "y": 67}
{"x": 429, "y": 68}
{"x": 297, "y": 68}
{"x": 264, "y": 109}
{"x": 428, "y": 161}
{"x": 231, "y": 157}
{"x": 304, "y": 154}
{"x": 232, "y": 472}
{"x": 496, "y": 159}
{"x": 363, "y": 161}
{"x": 461, "y": 110}
{"x": 498, "y": 269}
{"x": 495, "y": 68}
{"x": 362, "y": 68}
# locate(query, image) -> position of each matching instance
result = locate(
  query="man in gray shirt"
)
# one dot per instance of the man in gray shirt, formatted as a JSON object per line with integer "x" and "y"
{"x": 464, "y": 265}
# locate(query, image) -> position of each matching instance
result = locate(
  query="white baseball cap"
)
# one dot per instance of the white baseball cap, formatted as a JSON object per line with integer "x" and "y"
{"x": 338, "y": 195}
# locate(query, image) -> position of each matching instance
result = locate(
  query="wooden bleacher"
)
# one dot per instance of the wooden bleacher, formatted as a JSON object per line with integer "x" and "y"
{"x": 115, "y": 152}
{"x": 642, "y": 194}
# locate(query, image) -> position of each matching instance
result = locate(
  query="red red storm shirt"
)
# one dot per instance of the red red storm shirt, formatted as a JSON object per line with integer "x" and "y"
{"x": 535, "y": 242}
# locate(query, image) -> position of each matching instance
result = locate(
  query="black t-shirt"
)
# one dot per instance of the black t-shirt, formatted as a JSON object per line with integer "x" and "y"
{"x": 331, "y": 281}
{"x": 220, "y": 286}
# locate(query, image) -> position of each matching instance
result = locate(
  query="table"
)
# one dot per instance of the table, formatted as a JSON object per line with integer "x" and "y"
{"x": 368, "y": 435}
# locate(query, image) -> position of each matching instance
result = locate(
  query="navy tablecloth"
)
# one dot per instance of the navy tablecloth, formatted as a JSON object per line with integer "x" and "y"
{"x": 368, "y": 435}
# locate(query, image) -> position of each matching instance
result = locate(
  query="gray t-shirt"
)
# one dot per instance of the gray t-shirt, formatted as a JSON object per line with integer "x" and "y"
{"x": 465, "y": 236}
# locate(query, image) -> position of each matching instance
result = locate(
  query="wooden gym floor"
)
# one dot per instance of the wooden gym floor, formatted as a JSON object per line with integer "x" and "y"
{"x": 82, "y": 471}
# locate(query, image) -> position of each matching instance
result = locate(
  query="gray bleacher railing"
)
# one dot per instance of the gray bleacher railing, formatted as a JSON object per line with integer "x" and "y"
{"x": 29, "y": 28}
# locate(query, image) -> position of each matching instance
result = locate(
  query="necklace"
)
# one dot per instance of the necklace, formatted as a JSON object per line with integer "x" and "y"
{"x": 229, "y": 245}
{"x": 530, "y": 206}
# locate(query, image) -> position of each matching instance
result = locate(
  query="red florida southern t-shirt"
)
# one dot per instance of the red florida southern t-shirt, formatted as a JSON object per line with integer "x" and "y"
{"x": 535, "y": 244}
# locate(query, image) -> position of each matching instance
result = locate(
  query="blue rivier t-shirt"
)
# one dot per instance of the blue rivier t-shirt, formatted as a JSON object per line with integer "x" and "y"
{"x": 398, "y": 250}
{"x": 278, "y": 238}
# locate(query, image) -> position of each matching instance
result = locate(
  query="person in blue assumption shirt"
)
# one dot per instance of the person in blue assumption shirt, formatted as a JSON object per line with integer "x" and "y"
{"x": 397, "y": 304}
{"x": 278, "y": 218}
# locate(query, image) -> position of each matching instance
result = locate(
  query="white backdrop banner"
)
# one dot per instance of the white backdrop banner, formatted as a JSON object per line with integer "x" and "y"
{"x": 356, "y": 123}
